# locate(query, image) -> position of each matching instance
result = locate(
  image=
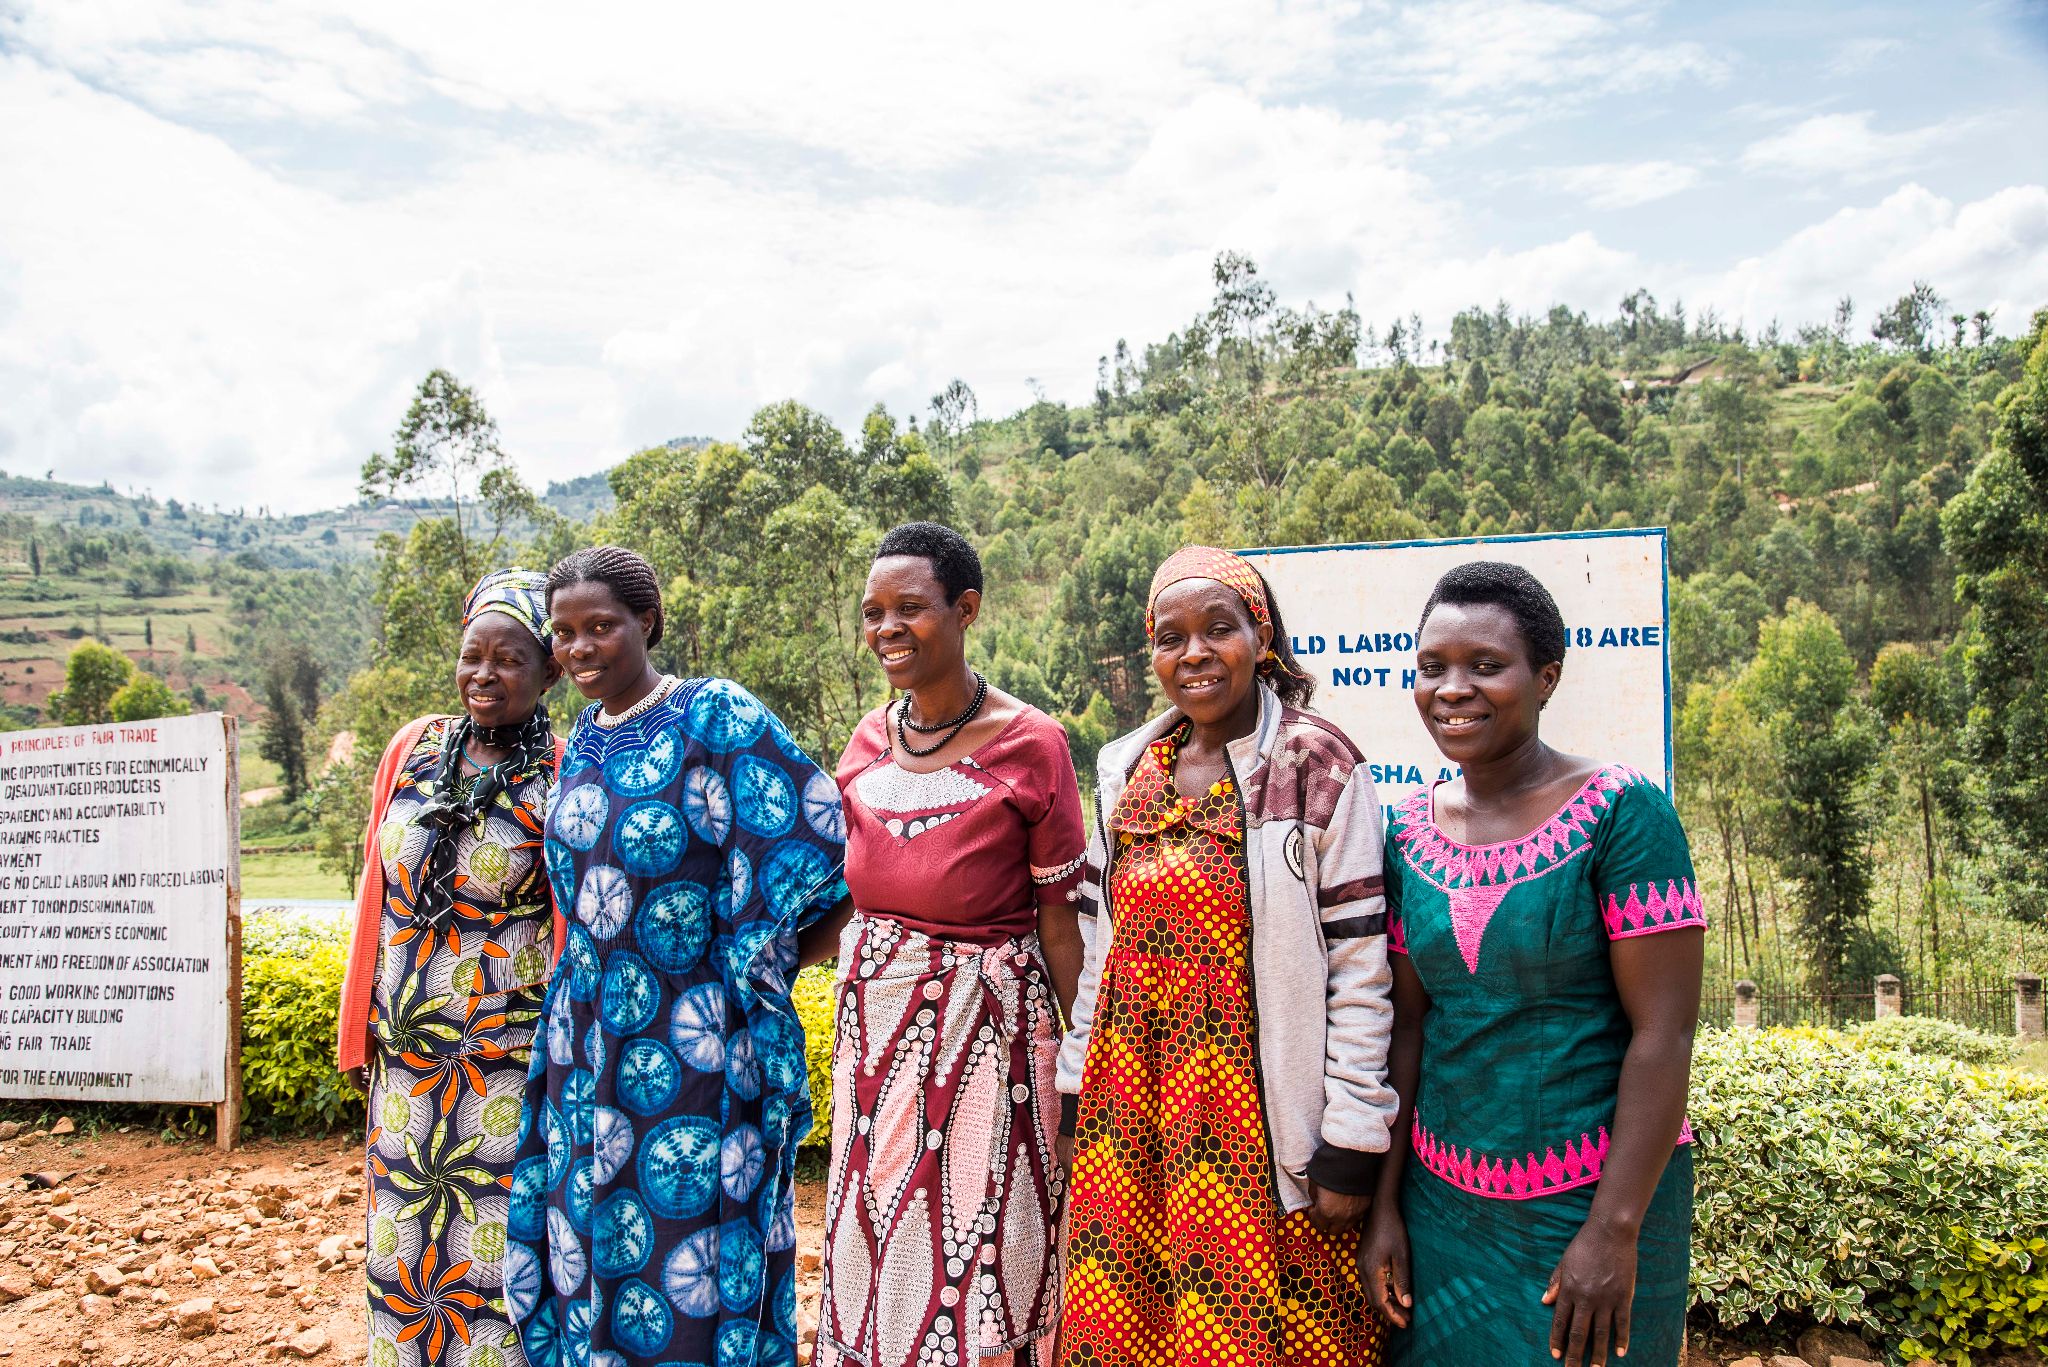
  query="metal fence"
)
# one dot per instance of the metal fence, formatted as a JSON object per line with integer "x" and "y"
{"x": 1984, "y": 1004}
{"x": 1981, "y": 1003}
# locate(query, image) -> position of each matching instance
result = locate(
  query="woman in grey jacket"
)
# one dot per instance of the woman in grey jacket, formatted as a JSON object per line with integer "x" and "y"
{"x": 1225, "y": 1072}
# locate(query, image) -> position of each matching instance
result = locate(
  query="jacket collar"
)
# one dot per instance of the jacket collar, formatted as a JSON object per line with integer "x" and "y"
{"x": 1247, "y": 753}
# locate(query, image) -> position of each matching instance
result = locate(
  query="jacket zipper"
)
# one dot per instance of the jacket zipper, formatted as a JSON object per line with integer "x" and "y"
{"x": 1251, "y": 982}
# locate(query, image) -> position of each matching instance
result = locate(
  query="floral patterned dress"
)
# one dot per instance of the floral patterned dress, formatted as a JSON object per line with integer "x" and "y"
{"x": 653, "y": 1216}
{"x": 457, "y": 994}
{"x": 1178, "y": 1253}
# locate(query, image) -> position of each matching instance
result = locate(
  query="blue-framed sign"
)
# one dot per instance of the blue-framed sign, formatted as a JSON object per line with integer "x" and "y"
{"x": 1351, "y": 612}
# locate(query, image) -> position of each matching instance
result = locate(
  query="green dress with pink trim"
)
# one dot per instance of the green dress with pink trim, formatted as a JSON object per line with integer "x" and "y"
{"x": 1521, "y": 1061}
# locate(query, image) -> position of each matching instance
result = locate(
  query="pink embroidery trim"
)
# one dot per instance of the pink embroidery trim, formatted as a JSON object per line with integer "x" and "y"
{"x": 1670, "y": 907}
{"x": 1522, "y": 1178}
{"x": 1397, "y": 936}
{"x": 1445, "y": 861}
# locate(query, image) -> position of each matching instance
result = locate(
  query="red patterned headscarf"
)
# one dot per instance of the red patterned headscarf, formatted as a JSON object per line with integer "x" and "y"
{"x": 1234, "y": 572}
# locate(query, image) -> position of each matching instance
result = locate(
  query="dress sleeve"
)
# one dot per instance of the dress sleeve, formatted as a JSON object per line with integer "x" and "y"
{"x": 785, "y": 841}
{"x": 1055, "y": 838}
{"x": 1642, "y": 867}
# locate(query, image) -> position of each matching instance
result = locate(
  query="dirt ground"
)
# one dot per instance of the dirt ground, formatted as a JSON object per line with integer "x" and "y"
{"x": 122, "y": 1250}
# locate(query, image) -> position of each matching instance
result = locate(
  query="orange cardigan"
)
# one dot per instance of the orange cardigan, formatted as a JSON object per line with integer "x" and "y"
{"x": 352, "y": 1040}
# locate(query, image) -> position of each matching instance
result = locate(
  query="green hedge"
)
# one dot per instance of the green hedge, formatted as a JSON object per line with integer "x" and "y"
{"x": 1857, "y": 1185}
{"x": 1929, "y": 1035}
{"x": 291, "y": 991}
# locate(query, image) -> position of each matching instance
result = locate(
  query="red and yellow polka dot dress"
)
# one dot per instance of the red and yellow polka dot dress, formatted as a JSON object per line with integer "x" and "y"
{"x": 1178, "y": 1254}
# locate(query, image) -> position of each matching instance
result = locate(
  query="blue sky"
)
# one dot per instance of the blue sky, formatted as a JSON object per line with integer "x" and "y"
{"x": 234, "y": 235}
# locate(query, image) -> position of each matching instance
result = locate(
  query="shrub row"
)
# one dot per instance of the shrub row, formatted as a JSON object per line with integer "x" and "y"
{"x": 1901, "y": 1192}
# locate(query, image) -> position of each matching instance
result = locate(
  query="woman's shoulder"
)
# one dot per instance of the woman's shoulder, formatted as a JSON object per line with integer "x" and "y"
{"x": 870, "y": 739}
{"x": 429, "y": 734}
{"x": 1627, "y": 795}
{"x": 1035, "y": 729}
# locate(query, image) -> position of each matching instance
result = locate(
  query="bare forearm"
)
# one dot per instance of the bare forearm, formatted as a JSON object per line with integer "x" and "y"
{"x": 1649, "y": 1110}
{"x": 1404, "y": 1075}
{"x": 819, "y": 941}
{"x": 1059, "y": 939}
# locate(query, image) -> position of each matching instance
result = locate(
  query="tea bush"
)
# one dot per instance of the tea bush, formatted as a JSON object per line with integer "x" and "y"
{"x": 1897, "y": 1191}
{"x": 816, "y": 1005}
{"x": 291, "y": 987}
{"x": 1929, "y": 1035}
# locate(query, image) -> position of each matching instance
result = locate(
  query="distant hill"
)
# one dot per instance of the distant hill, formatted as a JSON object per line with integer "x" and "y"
{"x": 277, "y": 540}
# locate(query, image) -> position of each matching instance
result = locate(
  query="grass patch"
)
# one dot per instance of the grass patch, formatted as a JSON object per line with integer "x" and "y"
{"x": 289, "y": 875}
{"x": 253, "y": 770}
{"x": 2033, "y": 1059}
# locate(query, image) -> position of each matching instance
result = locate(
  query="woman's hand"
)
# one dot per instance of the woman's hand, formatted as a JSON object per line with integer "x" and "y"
{"x": 1063, "y": 1150}
{"x": 1383, "y": 1255}
{"x": 358, "y": 1078}
{"x": 1591, "y": 1290}
{"x": 1336, "y": 1212}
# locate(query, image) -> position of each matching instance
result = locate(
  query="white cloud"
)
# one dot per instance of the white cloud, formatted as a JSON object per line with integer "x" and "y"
{"x": 1845, "y": 147}
{"x": 1470, "y": 48}
{"x": 638, "y": 226}
{"x": 1621, "y": 184}
{"x": 1990, "y": 253}
{"x": 1859, "y": 55}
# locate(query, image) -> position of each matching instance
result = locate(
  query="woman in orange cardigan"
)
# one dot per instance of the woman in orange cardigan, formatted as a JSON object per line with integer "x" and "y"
{"x": 454, "y": 941}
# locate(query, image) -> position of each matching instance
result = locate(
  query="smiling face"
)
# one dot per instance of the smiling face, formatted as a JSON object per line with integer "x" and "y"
{"x": 918, "y": 636}
{"x": 599, "y": 642}
{"x": 501, "y": 672}
{"x": 1206, "y": 651}
{"x": 1474, "y": 685}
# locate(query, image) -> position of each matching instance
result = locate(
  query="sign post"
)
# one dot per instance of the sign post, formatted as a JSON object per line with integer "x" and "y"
{"x": 1351, "y": 614}
{"x": 120, "y": 881}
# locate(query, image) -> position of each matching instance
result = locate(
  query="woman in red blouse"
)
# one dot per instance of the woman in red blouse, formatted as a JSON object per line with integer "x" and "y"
{"x": 964, "y": 844}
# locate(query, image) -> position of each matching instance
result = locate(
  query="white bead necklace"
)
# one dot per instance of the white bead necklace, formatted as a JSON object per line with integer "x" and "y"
{"x": 646, "y": 704}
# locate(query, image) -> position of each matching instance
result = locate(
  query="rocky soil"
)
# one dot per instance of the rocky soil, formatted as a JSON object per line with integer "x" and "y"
{"x": 122, "y": 1250}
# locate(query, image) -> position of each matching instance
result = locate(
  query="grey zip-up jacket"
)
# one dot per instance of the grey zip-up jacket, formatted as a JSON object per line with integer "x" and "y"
{"x": 1321, "y": 985}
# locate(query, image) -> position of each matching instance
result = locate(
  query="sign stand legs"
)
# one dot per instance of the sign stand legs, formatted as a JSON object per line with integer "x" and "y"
{"x": 227, "y": 1113}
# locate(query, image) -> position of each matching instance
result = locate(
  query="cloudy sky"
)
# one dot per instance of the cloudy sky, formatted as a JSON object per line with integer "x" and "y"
{"x": 234, "y": 235}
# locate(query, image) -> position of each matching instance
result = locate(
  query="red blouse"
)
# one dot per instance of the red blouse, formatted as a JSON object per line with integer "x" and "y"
{"x": 969, "y": 851}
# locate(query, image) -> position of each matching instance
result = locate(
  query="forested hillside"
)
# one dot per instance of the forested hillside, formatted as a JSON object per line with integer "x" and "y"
{"x": 1856, "y": 510}
{"x": 1854, "y": 623}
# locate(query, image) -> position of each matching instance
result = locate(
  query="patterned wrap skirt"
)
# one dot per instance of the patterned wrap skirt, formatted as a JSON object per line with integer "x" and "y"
{"x": 943, "y": 1205}
{"x": 1481, "y": 1265}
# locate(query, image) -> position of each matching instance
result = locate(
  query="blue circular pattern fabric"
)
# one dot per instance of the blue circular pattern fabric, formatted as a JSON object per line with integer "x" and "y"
{"x": 652, "y": 1217}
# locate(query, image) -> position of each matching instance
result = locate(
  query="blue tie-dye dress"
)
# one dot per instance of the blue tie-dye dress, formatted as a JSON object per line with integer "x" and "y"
{"x": 651, "y": 1215}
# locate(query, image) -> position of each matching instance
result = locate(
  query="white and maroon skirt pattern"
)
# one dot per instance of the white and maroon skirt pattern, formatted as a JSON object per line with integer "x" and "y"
{"x": 943, "y": 1206}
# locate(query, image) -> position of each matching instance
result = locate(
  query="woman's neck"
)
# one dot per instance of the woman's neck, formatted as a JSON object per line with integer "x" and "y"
{"x": 1530, "y": 764}
{"x": 943, "y": 699}
{"x": 623, "y": 701}
{"x": 1215, "y": 737}
{"x": 484, "y": 753}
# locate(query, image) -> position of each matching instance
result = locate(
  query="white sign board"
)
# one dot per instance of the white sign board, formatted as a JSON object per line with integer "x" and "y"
{"x": 118, "y": 863}
{"x": 1351, "y": 613}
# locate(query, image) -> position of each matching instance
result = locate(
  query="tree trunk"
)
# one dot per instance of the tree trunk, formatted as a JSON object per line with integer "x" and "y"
{"x": 1927, "y": 840}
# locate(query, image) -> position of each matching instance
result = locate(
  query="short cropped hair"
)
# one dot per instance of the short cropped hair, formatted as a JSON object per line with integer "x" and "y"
{"x": 954, "y": 563}
{"x": 1510, "y": 587}
{"x": 626, "y": 573}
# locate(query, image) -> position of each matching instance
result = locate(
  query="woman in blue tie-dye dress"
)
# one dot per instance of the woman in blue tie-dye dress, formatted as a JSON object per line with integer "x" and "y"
{"x": 652, "y": 1218}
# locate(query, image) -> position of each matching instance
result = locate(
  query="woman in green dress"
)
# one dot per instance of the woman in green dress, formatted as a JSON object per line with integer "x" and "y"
{"x": 1550, "y": 935}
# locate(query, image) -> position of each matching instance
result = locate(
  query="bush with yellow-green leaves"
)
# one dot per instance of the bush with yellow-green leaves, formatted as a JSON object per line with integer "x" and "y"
{"x": 1904, "y": 1193}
